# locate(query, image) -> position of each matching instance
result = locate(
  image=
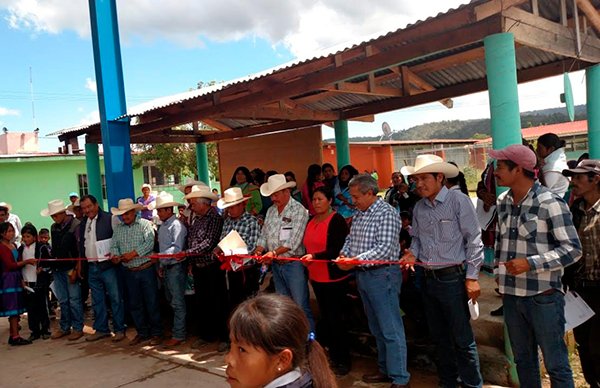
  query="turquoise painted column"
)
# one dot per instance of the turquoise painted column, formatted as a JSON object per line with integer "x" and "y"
{"x": 501, "y": 67}
{"x": 92, "y": 163}
{"x": 202, "y": 162}
{"x": 593, "y": 110}
{"x": 342, "y": 144}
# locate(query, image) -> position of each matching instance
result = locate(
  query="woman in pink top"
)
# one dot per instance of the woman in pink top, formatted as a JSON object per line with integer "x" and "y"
{"x": 324, "y": 238}
{"x": 313, "y": 180}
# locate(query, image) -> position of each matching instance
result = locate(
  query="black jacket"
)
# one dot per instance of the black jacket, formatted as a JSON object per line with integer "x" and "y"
{"x": 569, "y": 279}
{"x": 103, "y": 229}
{"x": 64, "y": 245}
{"x": 42, "y": 251}
{"x": 336, "y": 237}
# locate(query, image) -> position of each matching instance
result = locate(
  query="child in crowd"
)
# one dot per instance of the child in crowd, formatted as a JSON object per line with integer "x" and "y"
{"x": 271, "y": 347}
{"x": 44, "y": 236}
{"x": 406, "y": 218}
{"x": 37, "y": 280}
{"x": 11, "y": 302}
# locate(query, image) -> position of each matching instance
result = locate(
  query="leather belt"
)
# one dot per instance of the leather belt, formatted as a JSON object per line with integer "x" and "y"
{"x": 434, "y": 273}
{"x": 141, "y": 267}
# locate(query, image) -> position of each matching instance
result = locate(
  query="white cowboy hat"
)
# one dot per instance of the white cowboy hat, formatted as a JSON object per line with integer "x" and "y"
{"x": 145, "y": 185}
{"x": 429, "y": 164}
{"x": 190, "y": 182}
{"x": 275, "y": 183}
{"x": 6, "y": 205}
{"x": 199, "y": 191}
{"x": 73, "y": 206}
{"x": 231, "y": 196}
{"x": 162, "y": 201}
{"x": 54, "y": 207}
{"x": 125, "y": 205}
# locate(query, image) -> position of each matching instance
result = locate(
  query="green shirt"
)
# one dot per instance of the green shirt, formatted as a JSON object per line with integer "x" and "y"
{"x": 255, "y": 202}
{"x": 139, "y": 236}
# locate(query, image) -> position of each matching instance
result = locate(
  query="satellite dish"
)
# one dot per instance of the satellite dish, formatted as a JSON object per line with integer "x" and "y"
{"x": 567, "y": 97}
{"x": 387, "y": 131}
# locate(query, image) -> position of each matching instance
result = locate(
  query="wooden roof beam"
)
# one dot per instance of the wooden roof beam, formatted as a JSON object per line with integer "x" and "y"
{"x": 424, "y": 86}
{"x": 363, "y": 88}
{"x": 297, "y": 113}
{"x": 216, "y": 125}
{"x": 592, "y": 13}
{"x": 258, "y": 130}
{"x": 494, "y": 7}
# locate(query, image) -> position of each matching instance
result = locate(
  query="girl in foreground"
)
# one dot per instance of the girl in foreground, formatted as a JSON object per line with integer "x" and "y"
{"x": 271, "y": 347}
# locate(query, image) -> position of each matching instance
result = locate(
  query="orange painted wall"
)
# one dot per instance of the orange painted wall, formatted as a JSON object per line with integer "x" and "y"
{"x": 380, "y": 158}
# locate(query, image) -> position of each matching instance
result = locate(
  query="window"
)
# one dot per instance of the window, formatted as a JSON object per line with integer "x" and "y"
{"x": 84, "y": 186}
{"x": 155, "y": 177}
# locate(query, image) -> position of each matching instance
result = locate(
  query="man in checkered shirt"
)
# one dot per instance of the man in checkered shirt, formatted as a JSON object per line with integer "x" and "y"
{"x": 535, "y": 241}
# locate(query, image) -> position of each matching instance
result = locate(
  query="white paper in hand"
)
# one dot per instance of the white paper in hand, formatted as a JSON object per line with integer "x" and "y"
{"x": 473, "y": 309}
{"x": 233, "y": 244}
{"x": 576, "y": 311}
{"x": 103, "y": 249}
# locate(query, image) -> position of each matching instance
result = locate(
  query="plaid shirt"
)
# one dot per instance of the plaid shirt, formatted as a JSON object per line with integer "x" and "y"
{"x": 248, "y": 228}
{"x": 375, "y": 234}
{"x": 139, "y": 236}
{"x": 294, "y": 215}
{"x": 589, "y": 233}
{"x": 539, "y": 228}
{"x": 203, "y": 236}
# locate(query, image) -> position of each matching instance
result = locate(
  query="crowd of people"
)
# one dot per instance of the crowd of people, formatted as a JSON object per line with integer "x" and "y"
{"x": 424, "y": 230}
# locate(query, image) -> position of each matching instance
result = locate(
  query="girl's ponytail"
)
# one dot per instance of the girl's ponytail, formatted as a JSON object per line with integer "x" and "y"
{"x": 318, "y": 365}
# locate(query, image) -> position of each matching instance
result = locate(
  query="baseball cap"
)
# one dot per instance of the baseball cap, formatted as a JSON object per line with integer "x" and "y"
{"x": 73, "y": 194}
{"x": 585, "y": 166}
{"x": 518, "y": 154}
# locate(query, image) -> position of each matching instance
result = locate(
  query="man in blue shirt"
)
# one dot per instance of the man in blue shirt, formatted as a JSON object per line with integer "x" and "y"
{"x": 171, "y": 240}
{"x": 446, "y": 236}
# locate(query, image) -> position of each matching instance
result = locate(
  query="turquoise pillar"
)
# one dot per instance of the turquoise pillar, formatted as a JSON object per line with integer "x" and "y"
{"x": 92, "y": 163}
{"x": 342, "y": 144}
{"x": 202, "y": 162}
{"x": 593, "y": 110}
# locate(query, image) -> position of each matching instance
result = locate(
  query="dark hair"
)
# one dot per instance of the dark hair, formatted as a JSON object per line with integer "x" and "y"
{"x": 405, "y": 236}
{"x": 529, "y": 174}
{"x": 270, "y": 173}
{"x": 406, "y": 214}
{"x": 90, "y": 197}
{"x": 459, "y": 180}
{"x": 551, "y": 140}
{"x": 326, "y": 191}
{"x": 260, "y": 176}
{"x": 351, "y": 171}
{"x": 583, "y": 156}
{"x": 3, "y": 209}
{"x": 289, "y": 173}
{"x": 274, "y": 323}
{"x": 245, "y": 171}
{"x": 44, "y": 231}
{"x": 5, "y": 226}
{"x": 314, "y": 170}
{"x": 325, "y": 165}
{"x": 29, "y": 229}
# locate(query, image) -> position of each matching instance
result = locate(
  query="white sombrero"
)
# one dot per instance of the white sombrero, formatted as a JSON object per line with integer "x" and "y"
{"x": 275, "y": 183}
{"x": 199, "y": 191}
{"x": 430, "y": 164}
{"x": 54, "y": 207}
{"x": 190, "y": 182}
{"x": 125, "y": 205}
{"x": 144, "y": 186}
{"x": 231, "y": 196}
{"x": 6, "y": 205}
{"x": 162, "y": 201}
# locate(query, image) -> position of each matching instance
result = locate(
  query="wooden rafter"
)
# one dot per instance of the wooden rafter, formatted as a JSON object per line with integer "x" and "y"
{"x": 216, "y": 124}
{"x": 363, "y": 88}
{"x": 494, "y": 7}
{"x": 259, "y": 130}
{"x": 297, "y": 113}
{"x": 592, "y": 13}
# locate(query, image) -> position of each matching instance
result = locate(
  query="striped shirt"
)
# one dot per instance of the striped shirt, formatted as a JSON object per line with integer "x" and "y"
{"x": 540, "y": 229}
{"x": 447, "y": 233}
{"x": 374, "y": 234}
{"x": 203, "y": 236}
{"x": 285, "y": 229}
{"x": 138, "y": 236}
{"x": 247, "y": 227}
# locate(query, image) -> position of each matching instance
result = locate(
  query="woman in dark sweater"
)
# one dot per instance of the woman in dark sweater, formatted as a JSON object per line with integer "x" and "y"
{"x": 324, "y": 238}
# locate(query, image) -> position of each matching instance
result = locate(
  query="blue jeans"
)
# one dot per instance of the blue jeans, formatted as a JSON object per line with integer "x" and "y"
{"x": 143, "y": 298}
{"x": 379, "y": 290}
{"x": 103, "y": 283}
{"x": 538, "y": 321}
{"x": 69, "y": 297}
{"x": 291, "y": 280}
{"x": 448, "y": 317}
{"x": 175, "y": 279}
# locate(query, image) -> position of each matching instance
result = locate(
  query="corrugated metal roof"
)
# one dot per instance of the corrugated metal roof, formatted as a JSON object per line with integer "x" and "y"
{"x": 562, "y": 129}
{"x": 406, "y": 142}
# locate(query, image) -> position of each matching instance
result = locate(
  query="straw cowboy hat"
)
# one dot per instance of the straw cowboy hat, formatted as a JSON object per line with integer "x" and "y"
{"x": 54, "y": 207}
{"x": 190, "y": 182}
{"x": 430, "y": 164}
{"x": 144, "y": 186}
{"x": 6, "y": 205}
{"x": 125, "y": 205}
{"x": 275, "y": 183}
{"x": 73, "y": 206}
{"x": 231, "y": 197}
{"x": 199, "y": 191}
{"x": 162, "y": 201}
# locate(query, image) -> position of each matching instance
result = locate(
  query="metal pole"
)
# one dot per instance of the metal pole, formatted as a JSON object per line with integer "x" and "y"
{"x": 342, "y": 143}
{"x": 92, "y": 162}
{"x": 593, "y": 110}
{"x": 202, "y": 163}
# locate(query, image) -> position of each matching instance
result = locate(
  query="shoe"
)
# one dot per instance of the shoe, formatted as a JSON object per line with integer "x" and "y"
{"x": 498, "y": 312}
{"x": 156, "y": 340}
{"x": 60, "y": 333}
{"x": 118, "y": 337}
{"x": 19, "y": 341}
{"x": 96, "y": 336}
{"x": 341, "y": 370}
{"x": 199, "y": 343}
{"x": 75, "y": 335}
{"x": 46, "y": 336}
{"x": 138, "y": 339}
{"x": 32, "y": 337}
{"x": 378, "y": 377}
{"x": 224, "y": 346}
{"x": 172, "y": 343}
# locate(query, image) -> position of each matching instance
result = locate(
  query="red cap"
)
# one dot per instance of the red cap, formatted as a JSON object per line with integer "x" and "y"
{"x": 518, "y": 154}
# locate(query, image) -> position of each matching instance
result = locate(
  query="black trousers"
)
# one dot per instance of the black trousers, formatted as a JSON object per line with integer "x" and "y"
{"x": 243, "y": 285}
{"x": 587, "y": 336}
{"x": 211, "y": 301}
{"x": 37, "y": 309}
{"x": 330, "y": 297}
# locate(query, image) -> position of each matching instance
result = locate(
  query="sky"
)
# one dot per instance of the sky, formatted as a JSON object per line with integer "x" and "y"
{"x": 168, "y": 47}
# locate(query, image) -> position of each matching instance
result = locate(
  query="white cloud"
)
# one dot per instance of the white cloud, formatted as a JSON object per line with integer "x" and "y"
{"x": 91, "y": 118}
{"x": 90, "y": 84}
{"x": 9, "y": 112}
{"x": 300, "y": 25}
